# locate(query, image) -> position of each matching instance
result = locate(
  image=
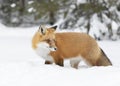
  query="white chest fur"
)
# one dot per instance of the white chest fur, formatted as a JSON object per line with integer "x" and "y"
{"x": 43, "y": 50}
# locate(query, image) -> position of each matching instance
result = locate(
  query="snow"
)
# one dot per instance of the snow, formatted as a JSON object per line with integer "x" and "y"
{"x": 20, "y": 65}
{"x": 13, "y": 5}
{"x": 30, "y": 9}
{"x": 30, "y": 2}
{"x": 81, "y": 1}
{"x": 96, "y": 26}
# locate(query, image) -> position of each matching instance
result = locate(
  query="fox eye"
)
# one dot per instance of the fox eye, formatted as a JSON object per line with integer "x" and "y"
{"x": 48, "y": 40}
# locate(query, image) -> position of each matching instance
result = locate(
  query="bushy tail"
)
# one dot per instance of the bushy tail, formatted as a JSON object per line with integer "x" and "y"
{"x": 103, "y": 60}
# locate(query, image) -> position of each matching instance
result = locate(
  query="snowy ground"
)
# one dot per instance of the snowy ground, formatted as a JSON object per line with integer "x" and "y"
{"x": 20, "y": 66}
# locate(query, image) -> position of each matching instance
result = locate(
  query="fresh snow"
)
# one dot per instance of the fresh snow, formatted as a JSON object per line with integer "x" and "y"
{"x": 13, "y": 5}
{"x": 30, "y": 9}
{"x": 21, "y": 66}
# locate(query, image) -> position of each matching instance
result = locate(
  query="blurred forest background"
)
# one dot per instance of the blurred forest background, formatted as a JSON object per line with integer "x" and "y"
{"x": 104, "y": 15}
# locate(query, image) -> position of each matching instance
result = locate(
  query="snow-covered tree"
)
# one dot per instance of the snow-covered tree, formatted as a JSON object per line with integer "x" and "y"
{"x": 100, "y": 18}
{"x": 94, "y": 15}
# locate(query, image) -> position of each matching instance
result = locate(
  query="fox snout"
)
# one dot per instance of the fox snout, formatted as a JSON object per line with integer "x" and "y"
{"x": 52, "y": 45}
{"x": 45, "y": 46}
{"x": 53, "y": 48}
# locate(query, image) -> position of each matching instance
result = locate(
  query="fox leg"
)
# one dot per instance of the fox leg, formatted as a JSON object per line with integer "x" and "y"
{"x": 57, "y": 59}
{"x": 48, "y": 62}
{"x": 59, "y": 62}
{"x": 74, "y": 62}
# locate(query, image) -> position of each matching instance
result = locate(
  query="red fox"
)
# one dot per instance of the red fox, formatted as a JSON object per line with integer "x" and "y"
{"x": 55, "y": 47}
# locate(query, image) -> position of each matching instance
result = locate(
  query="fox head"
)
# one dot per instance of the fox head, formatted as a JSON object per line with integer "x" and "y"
{"x": 45, "y": 39}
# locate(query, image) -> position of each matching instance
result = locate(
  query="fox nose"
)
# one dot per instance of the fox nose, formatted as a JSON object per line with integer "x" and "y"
{"x": 55, "y": 48}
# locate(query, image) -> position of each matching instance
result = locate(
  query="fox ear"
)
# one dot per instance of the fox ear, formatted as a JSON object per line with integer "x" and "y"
{"x": 54, "y": 27}
{"x": 41, "y": 30}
